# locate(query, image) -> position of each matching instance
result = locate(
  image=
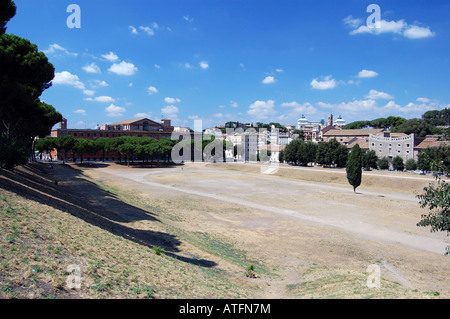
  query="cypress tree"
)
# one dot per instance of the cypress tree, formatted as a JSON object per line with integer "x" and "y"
{"x": 354, "y": 167}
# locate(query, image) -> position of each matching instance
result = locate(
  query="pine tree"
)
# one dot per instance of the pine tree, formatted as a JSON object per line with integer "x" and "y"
{"x": 354, "y": 167}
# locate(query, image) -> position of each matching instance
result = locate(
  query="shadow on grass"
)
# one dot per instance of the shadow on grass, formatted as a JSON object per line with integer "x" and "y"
{"x": 86, "y": 200}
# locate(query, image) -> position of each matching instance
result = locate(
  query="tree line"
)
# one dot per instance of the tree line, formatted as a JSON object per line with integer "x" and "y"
{"x": 25, "y": 73}
{"x": 431, "y": 123}
{"x": 332, "y": 153}
{"x": 128, "y": 148}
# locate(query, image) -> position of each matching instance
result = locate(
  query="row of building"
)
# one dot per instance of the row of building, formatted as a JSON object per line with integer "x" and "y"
{"x": 252, "y": 141}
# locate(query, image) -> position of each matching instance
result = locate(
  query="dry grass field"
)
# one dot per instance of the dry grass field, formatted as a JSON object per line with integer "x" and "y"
{"x": 191, "y": 231}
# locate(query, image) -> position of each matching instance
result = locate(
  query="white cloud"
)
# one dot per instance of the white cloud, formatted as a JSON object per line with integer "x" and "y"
{"x": 143, "y": 115}
{"x": 67, "y": 78}
{"x": 102, "y": 99}
{"x": 133, "y": 29}
{"x": 377, "y": 95}
{"x": 423, "y": 100}
{"x": 399, "y": 27}
{"x": 353, "y": 106}
{"x": 327, "y": 83}
{"x": 204, "y": 65}
{"x": 188, "y": 65}
{"x": 279, "y": 70}
{"x": 188, "y": 18}
{"x": 411, "y": 109}
{"x": 384, "y": 27}
{"x": 54, "y": 48}
{"x": 157, "y": 66}
{"x": 221, "y": 115}
{"x": 89, "y": 92}
{"x": 170, "y": 111}
{"x": 352, "y": 22}
{"x": 297, "y": 108}
{"x": 97, "y": 83}
{"x": 234, "y": 104}
{"x": 123, "y": 68}
{"x": 367, "y": 74}
{"x": 262, "y": 109}
{"x": 416, "y": 32}
{"x": 268, "y": 80}
{"x": 80, "y": 111}
{"x": 172, "y": 100}
{"x": 92, "y": 68}
{"x": 111, "y": 56}
{"x": 151, "y": 90}
{"x": 147, "y": 30}
{"x": 114, "y": 110}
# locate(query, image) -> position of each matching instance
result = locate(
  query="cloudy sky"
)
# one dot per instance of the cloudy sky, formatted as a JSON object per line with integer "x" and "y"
{"x": 240, "y": 60}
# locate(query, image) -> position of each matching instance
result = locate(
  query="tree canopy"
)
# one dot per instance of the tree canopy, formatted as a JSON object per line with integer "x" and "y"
{"x": 354, "y": 167}
{"x": 25, "y": 74}
{"x": 7, "y": 11}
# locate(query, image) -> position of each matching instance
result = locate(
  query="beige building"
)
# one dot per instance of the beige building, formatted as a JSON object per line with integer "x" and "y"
{"x": 391, "y": 145}
{"x": 247, "y": 146}
{"x": 346, "y": 136}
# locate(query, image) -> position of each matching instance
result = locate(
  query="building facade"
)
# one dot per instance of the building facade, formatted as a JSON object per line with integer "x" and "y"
{"x": 391, "y": 146}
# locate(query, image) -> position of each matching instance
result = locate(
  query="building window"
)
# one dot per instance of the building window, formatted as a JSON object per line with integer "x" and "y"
{"x": 407, "y": 145}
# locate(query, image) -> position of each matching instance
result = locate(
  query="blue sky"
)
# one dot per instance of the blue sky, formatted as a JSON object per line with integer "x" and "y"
{"x": 240, "y": 60}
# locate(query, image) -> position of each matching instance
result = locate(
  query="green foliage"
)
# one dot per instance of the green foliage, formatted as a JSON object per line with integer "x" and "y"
{"x": 437, "y": 199}
{"x": 7, "y": 12}
{"x": 434, "y": 154}
{"x": 158, "y": 250}
{"x": 437, "y": 118}
{"x": 383, "y": 163}
{"x": 83, "y": 146}
{"x": 11, "y": 154}
{"x": 381, "y": 123}
{"x": 332, "y": 153}
{"x": 419, "y": 127}
{"x": 25, "y": 74}
{"x": 411, "y": 165}
{"x": 398, "y": 164}
{"x": 354, "y": 167}
{"x": 300, "y": 152}
{"x": 46, "y": 144}
{"x": 65, "y": 144}
{"x": 369, "y": 160}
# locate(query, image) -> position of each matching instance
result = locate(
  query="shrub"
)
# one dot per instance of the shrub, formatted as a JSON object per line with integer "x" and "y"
{"x": 383, "y": 163}
{"x": 398, "y": 163}
{"x": 411, "y": 165}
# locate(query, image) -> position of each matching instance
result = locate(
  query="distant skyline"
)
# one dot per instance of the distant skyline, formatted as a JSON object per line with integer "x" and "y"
{"x": 240, "y": 60}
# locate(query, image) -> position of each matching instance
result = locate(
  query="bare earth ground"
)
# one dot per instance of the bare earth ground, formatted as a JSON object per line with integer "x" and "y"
{"x": 304, "y": 229}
